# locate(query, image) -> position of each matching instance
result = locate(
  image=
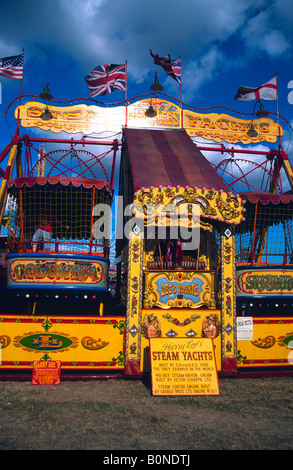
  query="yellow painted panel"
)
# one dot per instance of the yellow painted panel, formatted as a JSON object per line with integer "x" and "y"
{"x": 271, "y": 344}
{"x": 221, "y": 127}
{"x": 78, "y": 342}
{"x": 89, "y": 119}
{"x": 183, "y": 323}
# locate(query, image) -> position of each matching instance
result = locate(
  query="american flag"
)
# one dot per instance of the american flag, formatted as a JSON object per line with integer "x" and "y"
{"x": 105, "y": 78}
{"x": 171, "y": 67}
{"x": 12, "y": 67}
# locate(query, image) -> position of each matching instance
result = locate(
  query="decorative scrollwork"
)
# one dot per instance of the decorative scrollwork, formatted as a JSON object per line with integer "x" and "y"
{"x": 175, "y": 321}
{"x": 227, "y": 253}
{"x": 93, "y": 344}
{"x": 227, "y": 208}
{"x": 120, "y": 326}
{"x": 286, "y": 340}
{"x": 4, "y": 341}
{"x": 264, "y": 343}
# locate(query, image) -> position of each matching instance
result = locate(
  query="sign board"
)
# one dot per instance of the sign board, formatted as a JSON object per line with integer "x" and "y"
{"x": 178, "y": 289}
{"x": 244, "y": 328}
{"x": 225, "y": 128}
{"x": 46, "y": 373}
{"x": 62, "y": 272}
{"x": 264, "y": 282}
{"x": 95, "y": 119}
{"x": 182, "y": 366}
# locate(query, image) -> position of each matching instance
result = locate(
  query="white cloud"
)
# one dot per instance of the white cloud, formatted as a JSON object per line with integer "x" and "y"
{"x": 92, "y": 32}
{"x": 267, "y": 31}
{"x": 275, "y": 43}
{"x": 287, "y": 139}
{"x": 9, "y": 49}
{"x": 202, "y": 71}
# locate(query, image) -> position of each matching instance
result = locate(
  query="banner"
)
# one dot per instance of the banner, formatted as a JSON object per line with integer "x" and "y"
{"x": 61, "y": 272}
{"x": 95, "y": 119}
{"x": 264, "y": 282}
{"x": 224, "y": 128}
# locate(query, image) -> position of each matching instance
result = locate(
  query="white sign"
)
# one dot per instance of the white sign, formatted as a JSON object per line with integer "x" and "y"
{"x": 244, "y": 328}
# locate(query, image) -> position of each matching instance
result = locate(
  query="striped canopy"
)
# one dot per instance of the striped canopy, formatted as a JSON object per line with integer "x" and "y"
{"x": 160, "y": 157}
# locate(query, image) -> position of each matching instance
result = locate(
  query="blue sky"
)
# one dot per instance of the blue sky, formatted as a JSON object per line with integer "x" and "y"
{"x": 222, "y": 44}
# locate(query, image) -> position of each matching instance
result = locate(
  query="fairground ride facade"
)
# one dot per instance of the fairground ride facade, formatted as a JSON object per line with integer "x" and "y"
{"x": 235, "y": 286}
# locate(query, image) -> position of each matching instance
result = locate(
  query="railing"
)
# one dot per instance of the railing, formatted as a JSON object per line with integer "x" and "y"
{"x": 265, "y": 259}
{"x": 59, "y": 246}
{"x": 188, "y": 264}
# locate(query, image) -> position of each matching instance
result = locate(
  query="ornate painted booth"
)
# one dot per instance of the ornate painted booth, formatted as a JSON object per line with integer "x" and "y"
{"x": 171, "y": 290}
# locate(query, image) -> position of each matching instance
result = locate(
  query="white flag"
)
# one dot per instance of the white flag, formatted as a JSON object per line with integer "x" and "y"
{"x": 268, "y": 91}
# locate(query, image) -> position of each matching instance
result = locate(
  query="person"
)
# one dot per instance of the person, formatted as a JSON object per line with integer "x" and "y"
{"x": 152, "y": 326}
{"x": 168, "y": 257}
{"x": 209, "y": 330}
{"x": 44, "y": 232}
{"x": 178, "y": 255}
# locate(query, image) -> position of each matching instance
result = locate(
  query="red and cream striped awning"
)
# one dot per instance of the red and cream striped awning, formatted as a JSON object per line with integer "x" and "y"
{"x": 31, "y": 181}
{"x": 168, "y": 158}
{"x": 265, "y": 198}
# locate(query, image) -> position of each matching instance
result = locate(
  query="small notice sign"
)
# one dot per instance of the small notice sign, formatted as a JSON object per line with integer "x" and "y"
{"x": 46, "y": 373}
{"x": 182, "y": 366}
{"x": 244, "y": 328}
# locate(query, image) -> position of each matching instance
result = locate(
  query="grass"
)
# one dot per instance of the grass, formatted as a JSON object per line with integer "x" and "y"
{"x": 113, "y": 415}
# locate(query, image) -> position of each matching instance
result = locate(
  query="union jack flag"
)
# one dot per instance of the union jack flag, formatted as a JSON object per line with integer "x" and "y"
{"x": 12, "y": 67}
{"x": 105, "y": 78}
{"x": 171, "y": 67}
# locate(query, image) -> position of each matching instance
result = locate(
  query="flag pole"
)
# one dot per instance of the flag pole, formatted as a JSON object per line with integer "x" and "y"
{"x": 181, "y": 95}
{"x": 278, "y": 118}
{"x": 22, "y": 77}
{"x": 126, "y": 110}
{"x": 20, "y": 93}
